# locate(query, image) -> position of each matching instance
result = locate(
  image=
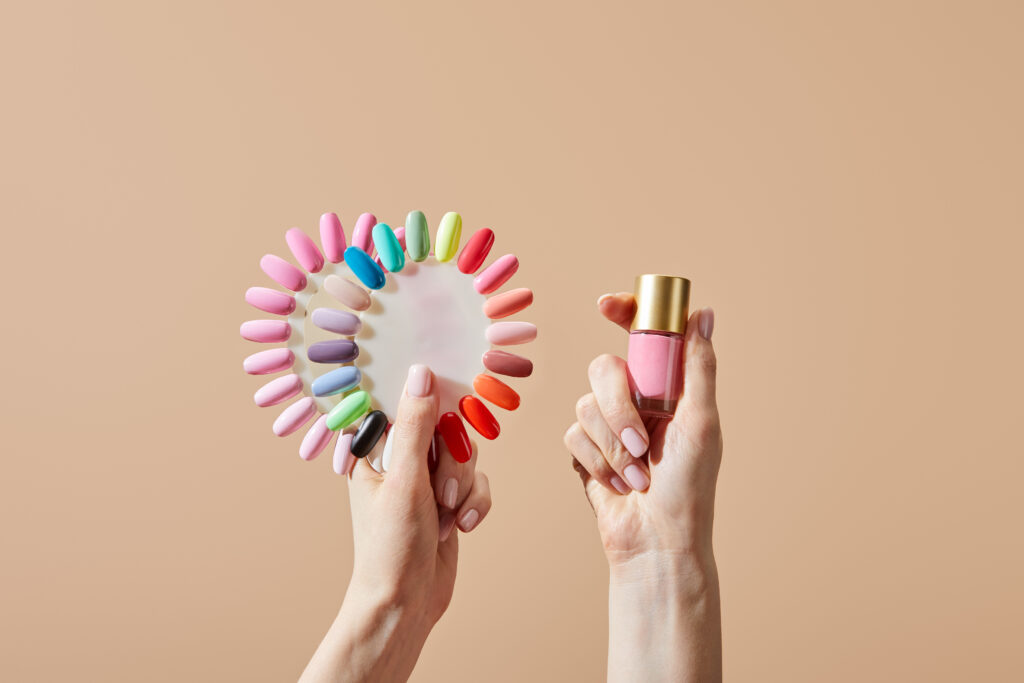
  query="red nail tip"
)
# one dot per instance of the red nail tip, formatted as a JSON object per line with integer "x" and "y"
{"x": 455, "y": 437}
{"x": 475, "y": 252}
{"x": 476, "y": 414}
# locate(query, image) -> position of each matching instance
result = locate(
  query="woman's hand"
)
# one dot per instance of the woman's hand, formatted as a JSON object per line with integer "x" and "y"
{"x": 405, "y": 549}
{"x": 652, "y": 486}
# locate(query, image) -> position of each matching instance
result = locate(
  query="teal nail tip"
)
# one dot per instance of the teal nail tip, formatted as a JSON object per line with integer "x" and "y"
{"x": 388, "y": 247}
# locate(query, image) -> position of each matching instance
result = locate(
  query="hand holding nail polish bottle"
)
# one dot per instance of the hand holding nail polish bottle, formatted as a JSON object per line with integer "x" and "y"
{"x": 655, "y": 357}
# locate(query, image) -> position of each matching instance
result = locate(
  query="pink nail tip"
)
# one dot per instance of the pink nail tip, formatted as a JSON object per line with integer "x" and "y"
{"x": 496, "y": 274}
{"x": 316, "y": 439}
{"x": 283, "y": 273}
{"x": 266, "y": 331}
{"x": 304, "y": 250}
{"x": 362, "y": 233}
{"x": 508, "y": 333}
{"x": 278, "y": 390}
{"x": 294, "y": 416}
{"x": 332, "y": 237}
{"x": 270, "y": 300}
{"x": 343, "y": 458}
{"x": 269, "y": 361}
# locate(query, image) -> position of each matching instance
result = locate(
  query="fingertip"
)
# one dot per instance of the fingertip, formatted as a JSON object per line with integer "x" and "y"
{"x": 468, "y": 520}
{"x": 446, "y": 522}
{"x": 420, "y": 381}
{"x": 706, "y": 324}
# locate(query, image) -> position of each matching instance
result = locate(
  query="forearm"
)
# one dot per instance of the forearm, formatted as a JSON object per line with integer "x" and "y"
{"x": 370, "y": 640}
{"x": 664, "y": 619}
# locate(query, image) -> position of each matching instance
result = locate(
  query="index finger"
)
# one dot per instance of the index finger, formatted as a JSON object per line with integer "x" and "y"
{"x": 609, "y": 379}
{"x": 619, "y": 308}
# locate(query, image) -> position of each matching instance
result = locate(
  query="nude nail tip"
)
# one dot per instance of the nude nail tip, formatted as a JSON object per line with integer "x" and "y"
{"x": 511, "y": 333}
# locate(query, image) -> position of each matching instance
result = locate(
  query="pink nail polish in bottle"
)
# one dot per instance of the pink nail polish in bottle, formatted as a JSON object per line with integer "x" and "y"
{"x": 655, "y": 358}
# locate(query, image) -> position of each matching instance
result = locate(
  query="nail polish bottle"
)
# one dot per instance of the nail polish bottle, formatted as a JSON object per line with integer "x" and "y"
{"x": 655, "y": 357}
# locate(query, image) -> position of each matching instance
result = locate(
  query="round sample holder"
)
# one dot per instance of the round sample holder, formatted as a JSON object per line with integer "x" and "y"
{"x": 349, "y": 320}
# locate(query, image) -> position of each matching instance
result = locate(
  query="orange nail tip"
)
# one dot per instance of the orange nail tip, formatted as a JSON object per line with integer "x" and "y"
{"x": 496, "y": 391}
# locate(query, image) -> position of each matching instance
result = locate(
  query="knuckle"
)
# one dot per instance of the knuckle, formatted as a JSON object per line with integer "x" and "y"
{"x": 413, "y": 416}
{"x": 586, "y": 407}
{"x": 603, "y": 364}
{"x": 704, "y": 430}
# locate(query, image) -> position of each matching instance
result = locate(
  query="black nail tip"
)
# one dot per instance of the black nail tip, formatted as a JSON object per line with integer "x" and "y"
{"x": 369, "y": 433}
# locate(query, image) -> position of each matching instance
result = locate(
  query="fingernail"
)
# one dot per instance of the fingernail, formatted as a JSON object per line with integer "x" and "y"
{"x": 707, "y": 323}
{"x": 450, "y": 493}
{"x": 469, "y": 520}
{"x": 418, "y": 383}
{"x": 636, "y": 477}
{"x": 447, "y": 524}
{"x": 620, "y": 485}
{"x": 633, "y": 442}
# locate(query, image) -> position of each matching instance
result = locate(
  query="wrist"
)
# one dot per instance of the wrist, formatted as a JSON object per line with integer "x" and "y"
{"x": 665, "y": 574}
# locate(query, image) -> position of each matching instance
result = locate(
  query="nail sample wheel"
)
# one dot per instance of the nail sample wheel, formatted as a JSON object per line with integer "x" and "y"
{"x": 351, "y": 319}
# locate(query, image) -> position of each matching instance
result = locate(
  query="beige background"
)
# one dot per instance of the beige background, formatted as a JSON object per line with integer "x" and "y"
{"x": 841, "y": 181}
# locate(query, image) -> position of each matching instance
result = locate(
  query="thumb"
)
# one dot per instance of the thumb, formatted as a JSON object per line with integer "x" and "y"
{"x": 700, "y": 369}
{"x": 414, "y": 425}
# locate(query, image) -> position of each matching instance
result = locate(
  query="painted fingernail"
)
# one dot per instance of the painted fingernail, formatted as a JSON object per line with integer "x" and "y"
{"x": 636, "y": 477}
{"x": 418, "y": 383}
{"x": 469, "y": 520}
{"x": 619, "y": 485}
{"x": 447, "y": 522}
{"x": 633, "y": 442}
{"x": 450, "y": 493}
{"x": 706, "y": 325}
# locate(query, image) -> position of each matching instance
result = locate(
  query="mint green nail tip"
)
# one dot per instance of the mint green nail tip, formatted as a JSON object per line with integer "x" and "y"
{"x": 448, "y": 235}
{"x": 348, "y": 410}
{"x": 417, "y": 237}
{"x": 388, "y": 247}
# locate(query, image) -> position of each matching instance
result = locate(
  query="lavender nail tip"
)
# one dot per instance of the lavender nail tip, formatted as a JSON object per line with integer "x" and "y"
{"x": 333, "y": 351}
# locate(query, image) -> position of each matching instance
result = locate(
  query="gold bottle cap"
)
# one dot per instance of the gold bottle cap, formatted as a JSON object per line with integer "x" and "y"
{"x": 662, "y": 303}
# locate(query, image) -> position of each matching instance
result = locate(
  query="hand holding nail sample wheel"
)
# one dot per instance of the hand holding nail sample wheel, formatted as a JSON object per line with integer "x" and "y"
{"x": 351, "y": 318}
{"x": 406, "y": 546}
